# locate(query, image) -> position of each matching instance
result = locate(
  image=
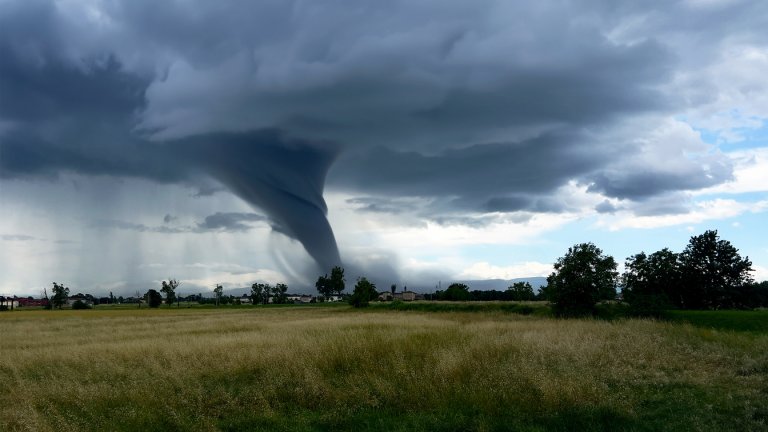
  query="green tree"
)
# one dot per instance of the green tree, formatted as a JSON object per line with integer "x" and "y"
{"x": 712, "y": 272}
{"x": 60, "y": 294}
{"x": 217, "y": 293}
{"x": 279, "y": 295}
{"x": 328, "y": 286}
{"x": 337, "y": 280}
{"x": 521, "y": 291}
{"x": 456, "y": 292}
{"x": 79, "y": 304}
{"x": 582, "y": 277}
{"x": 260, "y": 293}
{"x": 154, "y": 299}
{"x": 649, "y": 281}
{"x": 169, "y": 289}
{"x": 364, "y": 292}
{"x": 324, "y": 287}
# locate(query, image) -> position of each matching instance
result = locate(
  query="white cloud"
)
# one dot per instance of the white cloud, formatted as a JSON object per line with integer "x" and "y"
{"x": 228, "y": 280}
{"x": 736, "y": 92}
{"x": 484, "y": 270}
{"x": 716, "y": 209}
{"x": 750, "y": 173}
{"x": 760, "y": 273}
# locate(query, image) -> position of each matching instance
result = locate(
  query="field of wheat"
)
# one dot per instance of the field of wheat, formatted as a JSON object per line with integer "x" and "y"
{"x": 319, "y": 368}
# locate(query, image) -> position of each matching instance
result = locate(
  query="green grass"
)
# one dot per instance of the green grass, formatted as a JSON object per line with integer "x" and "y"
{"x": 335, "y": 368}
{"x": 736, "y": 320}
{"x": 522, "y": 308}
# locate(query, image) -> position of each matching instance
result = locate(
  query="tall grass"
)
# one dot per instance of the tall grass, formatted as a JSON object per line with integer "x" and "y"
{"x": 331, "y": 369}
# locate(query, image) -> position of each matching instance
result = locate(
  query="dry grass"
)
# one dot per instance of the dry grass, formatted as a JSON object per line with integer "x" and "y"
{"x": 319, "y": 368}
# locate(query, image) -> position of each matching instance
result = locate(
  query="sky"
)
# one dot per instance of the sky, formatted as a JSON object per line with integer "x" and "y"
{"x": 413, "y": 142}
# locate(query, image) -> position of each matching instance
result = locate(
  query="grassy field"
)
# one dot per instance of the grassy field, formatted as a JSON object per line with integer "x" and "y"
{"x": 749, "y": 321}
{"x": 321, "y": 368}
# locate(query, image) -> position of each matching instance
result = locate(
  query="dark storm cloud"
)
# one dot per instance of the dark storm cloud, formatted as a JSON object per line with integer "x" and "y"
{"x": 479, "y": 106}
{"x": 606, "y": 207}
{"x": 665, "y": 204}
{"x": 217, "y": 222}
{"x": 641, "y": 184}
{"x": 520, "y": 203}
{"x": 230, "y": 221}
{"x": 498, "y": 177}
{"x": 131, "y": 226}
{"x": 207, "y": 190}
{"x": 380, "y": 205}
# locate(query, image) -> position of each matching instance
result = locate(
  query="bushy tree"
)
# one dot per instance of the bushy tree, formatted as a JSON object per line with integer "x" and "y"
{"x": 60, "y": 294}
{"x": 169, "y": 289}
{"x": 521, "y": 291}
{"x": 712, "y": 273}
{"x": 582, "y": 277}
{"x": 328, "y": 286}
{"x": 650, "y": 281}
{"x": 752, "y": 295}
{"x": 79, "y": 304}
{"x": 323, "y": 286}
{"x": 154, "y": 299}
{"x": 279, "y": 295}
{"x": 260, "y": 293}
{"x": 364, "y": 292}
{"x": 456, "y": 292}
{"x": 337, "y": 280}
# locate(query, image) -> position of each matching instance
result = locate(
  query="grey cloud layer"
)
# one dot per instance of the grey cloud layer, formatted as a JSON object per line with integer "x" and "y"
{"x": 217, "y": 222}
{"x": 483, "y": 105}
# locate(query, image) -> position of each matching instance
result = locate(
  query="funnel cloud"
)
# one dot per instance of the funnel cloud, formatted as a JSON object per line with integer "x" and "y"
{"x": 284, "y": 177}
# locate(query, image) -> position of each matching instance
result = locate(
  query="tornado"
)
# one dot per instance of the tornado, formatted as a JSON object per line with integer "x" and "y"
{"x": 282, "y": 176}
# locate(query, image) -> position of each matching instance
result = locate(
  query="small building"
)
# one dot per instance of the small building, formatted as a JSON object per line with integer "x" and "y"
{"x": 29, "y": 302}
{"x": 8, "y": 302}
{"x": 405, "y": 296}
{"x": 79, "y": 297}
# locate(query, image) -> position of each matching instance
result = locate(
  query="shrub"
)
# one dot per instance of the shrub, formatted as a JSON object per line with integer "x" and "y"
{"x": 79, "y": 304}
{"x": 364, "y": 292}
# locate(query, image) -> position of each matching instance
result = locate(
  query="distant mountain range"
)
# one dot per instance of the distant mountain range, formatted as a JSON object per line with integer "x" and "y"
{"x": 478, "y": 284}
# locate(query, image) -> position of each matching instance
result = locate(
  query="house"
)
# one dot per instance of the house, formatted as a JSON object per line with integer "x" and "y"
{"x": 8, "y": 302}
{"x": 300, "y": 299}
{"x": 78, "y": 297}
{"x": 405, "y": 296}
{"x": 245, "y": 299}
{"x": 27, "y": 302}
{"x": 385, "y": 296}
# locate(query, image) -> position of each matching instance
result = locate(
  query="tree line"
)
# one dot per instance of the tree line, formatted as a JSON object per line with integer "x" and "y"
{"x": 708, "y": 274}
